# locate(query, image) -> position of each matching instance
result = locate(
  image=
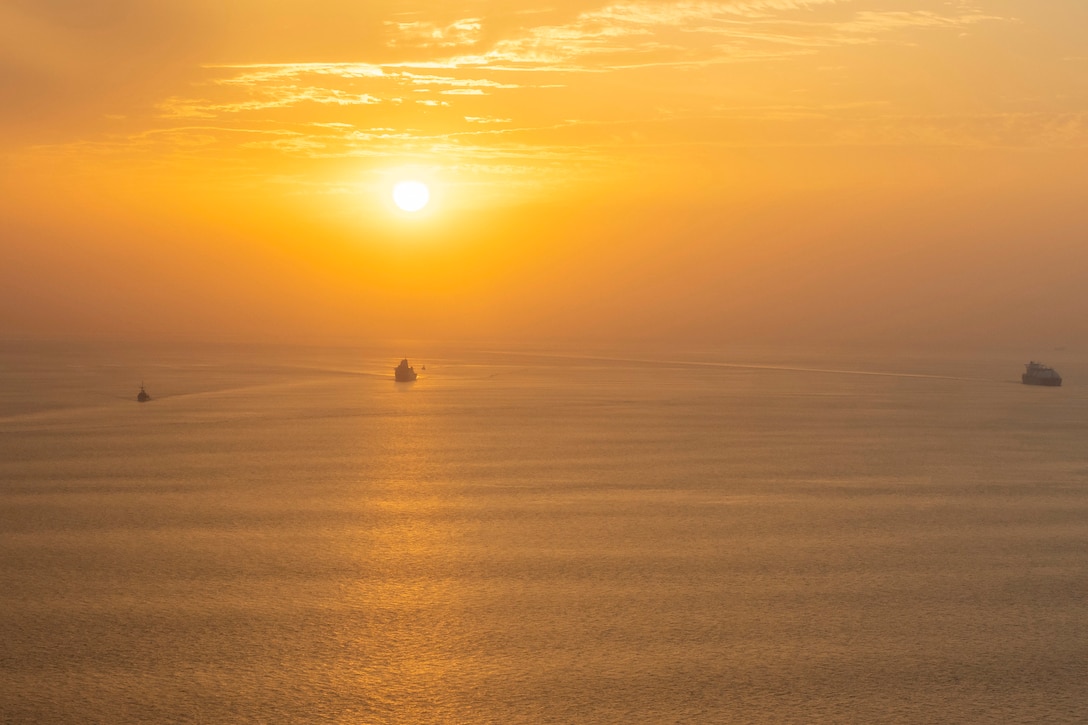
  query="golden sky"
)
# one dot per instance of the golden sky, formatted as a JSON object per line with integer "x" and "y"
{"x": 741, "y": 170}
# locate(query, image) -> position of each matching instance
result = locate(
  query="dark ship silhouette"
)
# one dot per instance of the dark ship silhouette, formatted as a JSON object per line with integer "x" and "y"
{"x": 404, "y": 373}
{"x": 143, "y": 397}
{"x": 1039, "y": 374}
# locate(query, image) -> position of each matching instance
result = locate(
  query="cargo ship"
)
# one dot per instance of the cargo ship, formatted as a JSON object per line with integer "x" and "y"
{"x": 403, "y": 373}
{"x": 1039, "y": 374}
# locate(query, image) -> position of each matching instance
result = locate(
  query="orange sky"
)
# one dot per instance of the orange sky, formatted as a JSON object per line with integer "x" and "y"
{"x": 743, "y": 170}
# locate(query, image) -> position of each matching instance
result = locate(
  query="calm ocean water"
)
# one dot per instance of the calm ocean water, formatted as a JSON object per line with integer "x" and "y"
{"x": 727, "y": 536}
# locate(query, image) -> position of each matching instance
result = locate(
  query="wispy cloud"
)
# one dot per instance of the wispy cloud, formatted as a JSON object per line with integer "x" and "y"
{"x": 421, "y": 34}
{"x": 446, "y": 91}
{"x": 701, "y": 32}
{"x": 433, "y": 80}
{"x": 255, "y": 88}
{"x": 270, "y": 98}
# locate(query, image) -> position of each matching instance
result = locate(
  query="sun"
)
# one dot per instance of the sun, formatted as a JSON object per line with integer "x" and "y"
{"x": 411, "y": 195}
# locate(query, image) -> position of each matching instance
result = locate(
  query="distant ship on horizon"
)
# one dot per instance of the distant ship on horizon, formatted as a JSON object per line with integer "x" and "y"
{"x": 404, "y": 373}
{"x": 1039, "y": 374}
{"x": 143, "y": 397}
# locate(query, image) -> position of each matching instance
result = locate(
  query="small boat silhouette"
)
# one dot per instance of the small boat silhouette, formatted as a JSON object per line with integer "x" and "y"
{"x": 143, "y": 397}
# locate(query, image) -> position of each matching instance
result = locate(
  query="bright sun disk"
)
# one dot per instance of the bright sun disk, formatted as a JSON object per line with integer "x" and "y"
{"x": 411, "y": 195}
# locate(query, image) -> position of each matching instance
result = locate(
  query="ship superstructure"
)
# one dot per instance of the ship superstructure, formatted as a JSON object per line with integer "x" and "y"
{"x": 404, "y": 373}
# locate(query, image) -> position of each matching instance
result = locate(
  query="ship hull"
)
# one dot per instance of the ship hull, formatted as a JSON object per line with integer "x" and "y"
{"x": 1048, "y": 382}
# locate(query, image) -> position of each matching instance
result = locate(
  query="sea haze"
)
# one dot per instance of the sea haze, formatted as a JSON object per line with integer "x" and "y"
{"x": 519, "y": 536}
